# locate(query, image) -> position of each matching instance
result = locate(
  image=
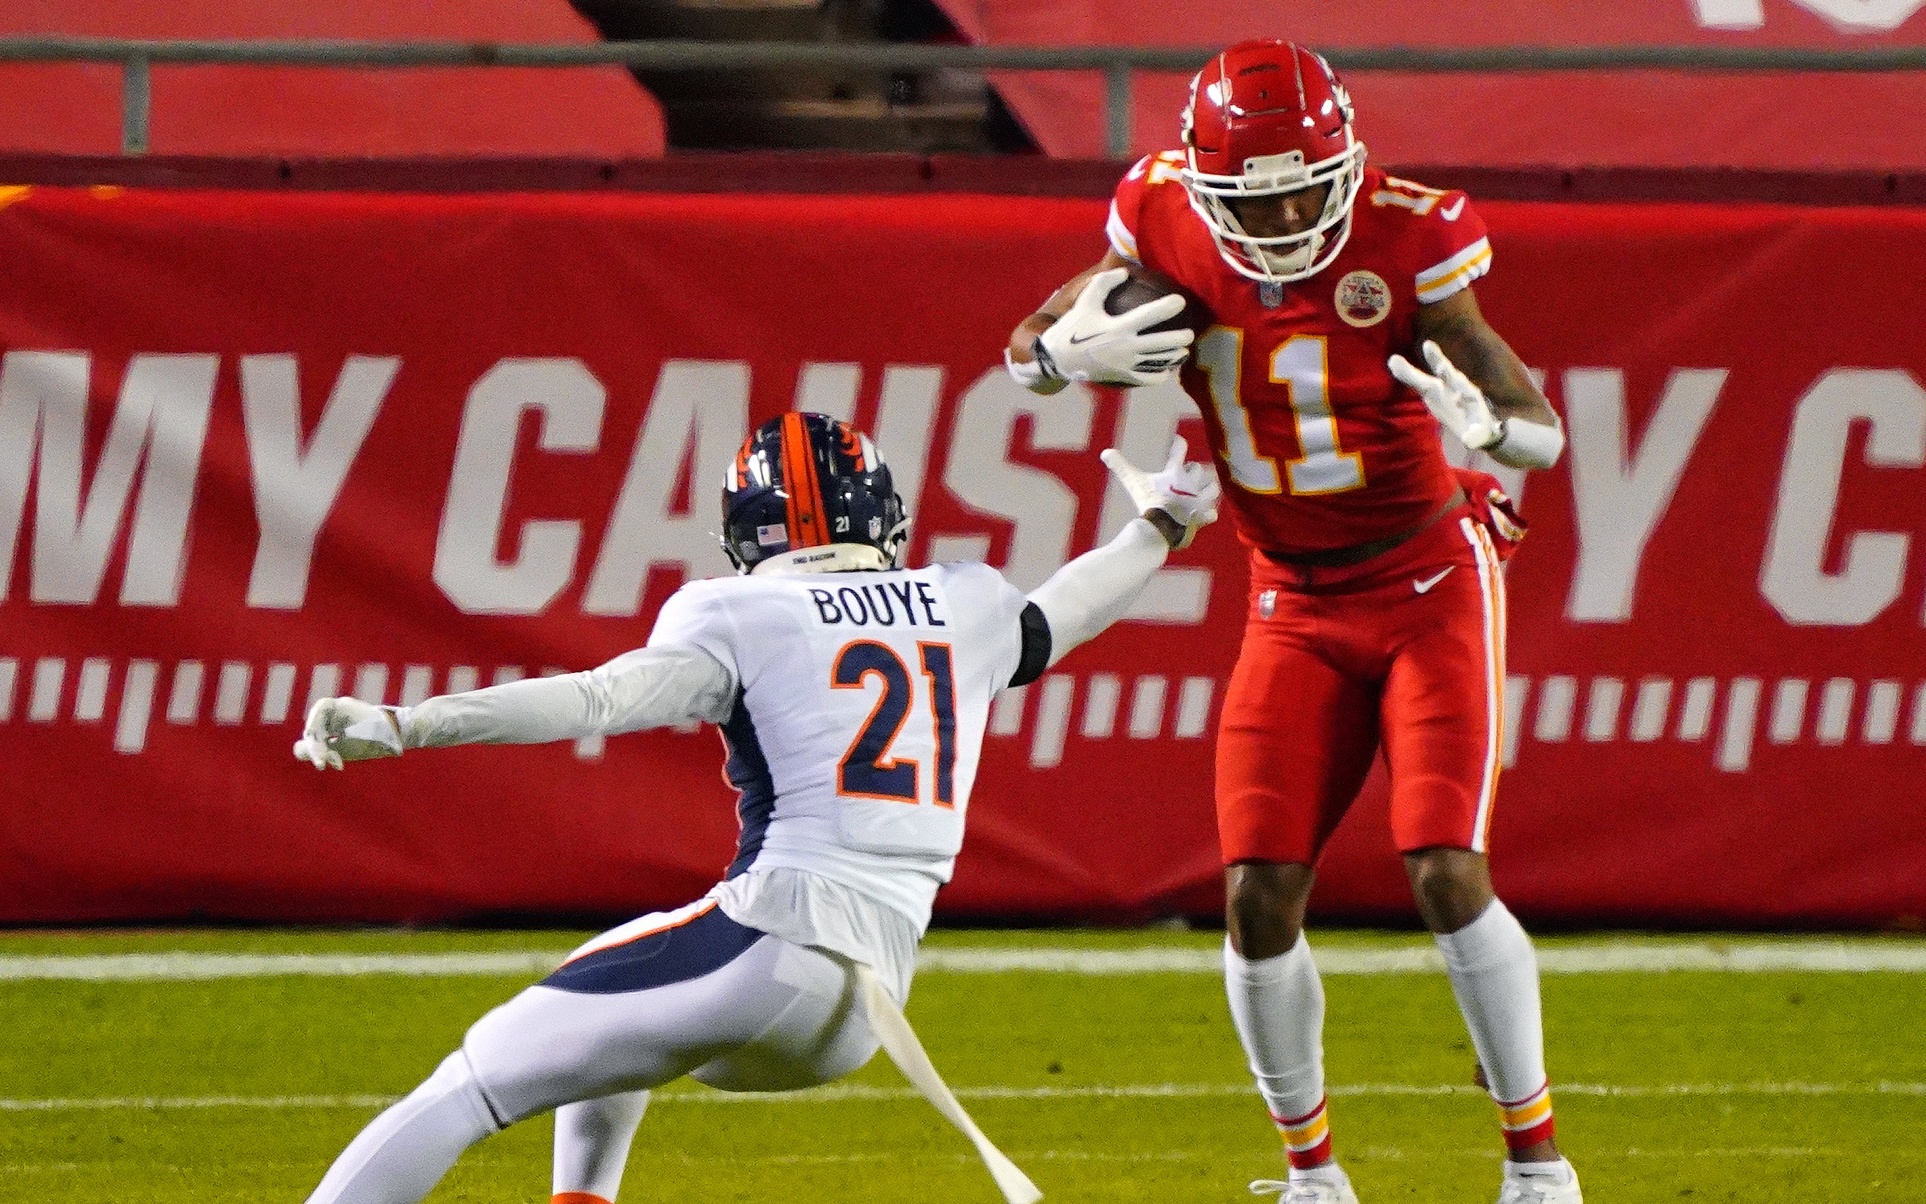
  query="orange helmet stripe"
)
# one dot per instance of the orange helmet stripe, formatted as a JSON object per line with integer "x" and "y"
{"x": 808, "y": 526}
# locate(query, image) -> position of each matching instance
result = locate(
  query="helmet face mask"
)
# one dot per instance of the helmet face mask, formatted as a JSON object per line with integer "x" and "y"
{"x": 1266, "y": 119}
{"x": 805, "y": 481}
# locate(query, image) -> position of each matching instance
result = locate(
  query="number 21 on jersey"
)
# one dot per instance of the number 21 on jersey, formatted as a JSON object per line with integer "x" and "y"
{"x": 870, "y": 769}
{"x": 1300, "y": 365}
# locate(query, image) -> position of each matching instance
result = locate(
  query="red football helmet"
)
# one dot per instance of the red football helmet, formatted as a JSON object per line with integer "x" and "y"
{"x": 1265, "y": 118}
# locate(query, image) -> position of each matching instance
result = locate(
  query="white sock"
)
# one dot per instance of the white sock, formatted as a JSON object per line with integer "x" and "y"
{"x": 1330, "y": 1173}
{"x": 1494, "y": 974}
{"x": 592, "y": 1143}
{"x": 1559, "y": 1169}
{"x": 406, "y": 1150}
{"x": 1277, "y": 1005}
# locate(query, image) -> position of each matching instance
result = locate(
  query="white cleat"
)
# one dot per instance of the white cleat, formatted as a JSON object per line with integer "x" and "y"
{"x": 1332, "y": 1189}
{"x": 1557, "y": 1185}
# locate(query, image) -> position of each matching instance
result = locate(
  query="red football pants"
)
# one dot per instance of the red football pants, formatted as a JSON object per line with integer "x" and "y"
{"x": 1403, "y": 652}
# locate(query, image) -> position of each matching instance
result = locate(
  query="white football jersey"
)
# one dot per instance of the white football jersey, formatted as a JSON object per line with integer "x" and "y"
{"x": 861, "y": 704}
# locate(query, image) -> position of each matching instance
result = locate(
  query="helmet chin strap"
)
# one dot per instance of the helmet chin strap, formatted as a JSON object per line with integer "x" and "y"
{"x": 829, "y": 558}
{"x": 1294, "y": 260}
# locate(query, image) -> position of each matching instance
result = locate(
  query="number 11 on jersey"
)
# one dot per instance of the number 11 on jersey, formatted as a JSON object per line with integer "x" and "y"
{"x": 869, "y": 769}
{"x": 1299, "y": 365}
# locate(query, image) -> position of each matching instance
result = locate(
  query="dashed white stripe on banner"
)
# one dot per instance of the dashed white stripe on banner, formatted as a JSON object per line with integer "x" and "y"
{"x": 860, "y": 1093}
{"x": 1100, "y": 706}
{"x": 184, "y": 699}
{"x": 1053, "y": 720}
{"x": 90, "y": 704}
{"x": 1193, "y": 707}
{"x": 278, "y": 697}
{"x": 1734, "y": 716}
{"x": 49, "y": 674}
{"x": 417, "y": 685}
{"x": 324, "y": 682}
{"x": 1649, "y": 708}
{"x": 136, "y": 706}
{"x": 1601, "y": 712}
{"x": 230, "y": 694}
{"x": 1695, "y": 717}
{"x": 1555, "y": 698}
{"x": 273, "y": 685}
{"x": 1795, "y": 711}
{"x": 1147, "y": 707}
{"x": 1631, "y": 957}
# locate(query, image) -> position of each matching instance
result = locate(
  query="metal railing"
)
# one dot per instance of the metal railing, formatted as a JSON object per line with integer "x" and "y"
{"x": 138, "y": 56}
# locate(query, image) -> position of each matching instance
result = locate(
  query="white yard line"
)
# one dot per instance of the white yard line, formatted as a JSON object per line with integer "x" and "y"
{"x": 844, "y": 1093}
{"x": 1600, "y": 957}
{"x": 194, "y": 967}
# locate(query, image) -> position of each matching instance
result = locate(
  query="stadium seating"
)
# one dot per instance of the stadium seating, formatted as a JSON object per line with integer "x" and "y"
{"x": 923, "y": 112}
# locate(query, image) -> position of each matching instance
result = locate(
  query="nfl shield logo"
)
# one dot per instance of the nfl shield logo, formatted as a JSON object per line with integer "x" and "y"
{"x": 1271, "y": 293}
{"x": 1267, "y": 603}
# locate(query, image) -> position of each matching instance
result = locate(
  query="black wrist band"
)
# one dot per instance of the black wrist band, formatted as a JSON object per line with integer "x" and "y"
{"x": 1047, "y": 365}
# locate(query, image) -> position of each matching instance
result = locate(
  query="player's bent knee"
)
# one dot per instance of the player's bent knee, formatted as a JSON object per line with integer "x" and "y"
{"x": 456, "y": 1076}
{"x": 822, "y": 1035}
{"x": 545, "y": 1048}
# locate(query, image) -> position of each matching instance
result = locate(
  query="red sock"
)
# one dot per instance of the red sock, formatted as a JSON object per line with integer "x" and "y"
{"x": 1307, "y": 1138}
{"x": 1528, "y": 1121}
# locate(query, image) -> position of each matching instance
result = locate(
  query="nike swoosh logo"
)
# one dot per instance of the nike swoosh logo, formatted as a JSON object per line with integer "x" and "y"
{"x": 1076, "y": 340}
{"x": 1424, "y": 586}
{"x": 1450, "y": 212}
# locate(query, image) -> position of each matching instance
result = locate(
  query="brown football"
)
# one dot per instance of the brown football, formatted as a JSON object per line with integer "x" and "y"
{"x": 1141, "y": 287}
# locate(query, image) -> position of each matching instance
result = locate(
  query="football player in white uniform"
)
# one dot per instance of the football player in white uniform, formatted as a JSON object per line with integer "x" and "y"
{"x": 853, "y": 697}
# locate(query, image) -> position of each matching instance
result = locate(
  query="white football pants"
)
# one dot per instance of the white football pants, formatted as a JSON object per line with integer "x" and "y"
{"x": 773, "y": 1016}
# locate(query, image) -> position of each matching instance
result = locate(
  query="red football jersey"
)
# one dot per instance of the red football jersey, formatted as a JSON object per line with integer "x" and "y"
{"x": 1319, "y": 445}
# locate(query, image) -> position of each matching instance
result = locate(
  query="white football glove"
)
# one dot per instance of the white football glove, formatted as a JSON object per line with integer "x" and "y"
{"x": 1087, "y": 344}
{"x": 1458, "y": 405}
{"x": 347, "y": 729}
{"x": 1185, "y": 490}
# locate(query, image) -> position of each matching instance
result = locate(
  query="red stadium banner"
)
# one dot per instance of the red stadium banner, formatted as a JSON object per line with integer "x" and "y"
{"x": 309, "y": 112}
{"x": 1779, "y": 120}
{"x": 259, "y": 448}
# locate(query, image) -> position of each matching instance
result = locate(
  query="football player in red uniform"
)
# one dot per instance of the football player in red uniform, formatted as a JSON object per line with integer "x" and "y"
{"x": 1377, "y": 609}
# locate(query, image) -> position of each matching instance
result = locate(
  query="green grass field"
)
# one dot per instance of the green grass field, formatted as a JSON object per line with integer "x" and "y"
{"x": 1675, "y": 1085}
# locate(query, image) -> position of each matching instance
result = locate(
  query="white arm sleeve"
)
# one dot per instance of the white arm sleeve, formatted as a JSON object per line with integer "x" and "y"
{"x": 1093, "y": 591}
{"x": 650, "y": 687}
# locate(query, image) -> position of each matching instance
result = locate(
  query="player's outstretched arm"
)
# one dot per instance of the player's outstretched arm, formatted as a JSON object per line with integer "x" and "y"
{"x": 649, "y": 687}
{"x": 1094, "y": 590}
{"x": 1478, "y": 388}
{"x": 1073, "y": 337}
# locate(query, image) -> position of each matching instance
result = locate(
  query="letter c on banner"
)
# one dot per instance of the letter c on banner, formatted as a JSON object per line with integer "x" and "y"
{"x": 570, "y": 401}
{"x": 1793, "y": 577}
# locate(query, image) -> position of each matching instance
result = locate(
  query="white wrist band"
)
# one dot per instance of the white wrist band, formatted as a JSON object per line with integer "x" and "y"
{"x": 1528, "y": 444}
{"x": 1029, "y": 375}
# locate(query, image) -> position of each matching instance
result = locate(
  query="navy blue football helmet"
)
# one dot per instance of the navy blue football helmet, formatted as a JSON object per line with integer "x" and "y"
{"x": 806, "y": 481}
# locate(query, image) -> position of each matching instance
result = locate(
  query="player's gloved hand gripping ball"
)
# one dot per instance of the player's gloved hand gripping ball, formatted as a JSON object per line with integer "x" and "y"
{"x": 1089, "y": 343}
{"x": 347, "y": 729}
{"x": 1458, "y": 405}
{"x": 1183, "y": 489}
